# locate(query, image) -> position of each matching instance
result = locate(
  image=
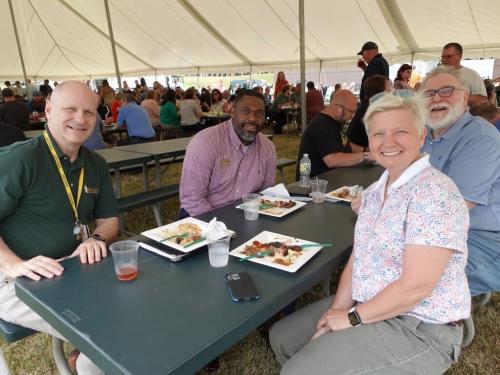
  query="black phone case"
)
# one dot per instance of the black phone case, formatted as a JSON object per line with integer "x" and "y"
{"x": 299, "y": 191}
{"x": 241, "y": 287}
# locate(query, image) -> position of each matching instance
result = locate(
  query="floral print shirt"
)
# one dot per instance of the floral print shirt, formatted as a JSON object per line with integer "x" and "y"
{"x": 423, "y": 207}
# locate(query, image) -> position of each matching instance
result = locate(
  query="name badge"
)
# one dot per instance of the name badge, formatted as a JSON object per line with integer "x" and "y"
{"x": 90, "y": 190}
{"x": 224, "y": 163}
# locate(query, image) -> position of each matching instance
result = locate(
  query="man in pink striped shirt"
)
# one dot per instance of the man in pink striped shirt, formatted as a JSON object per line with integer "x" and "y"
{"x": 225, "y": 162}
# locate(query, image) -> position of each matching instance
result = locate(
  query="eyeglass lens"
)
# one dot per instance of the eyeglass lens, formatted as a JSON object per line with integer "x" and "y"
{"x": 443, "y": 92}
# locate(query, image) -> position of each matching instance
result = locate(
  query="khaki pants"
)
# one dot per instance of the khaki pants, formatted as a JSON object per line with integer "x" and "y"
{"x": 401, "y": 345}
{"x": 13, "y": 310}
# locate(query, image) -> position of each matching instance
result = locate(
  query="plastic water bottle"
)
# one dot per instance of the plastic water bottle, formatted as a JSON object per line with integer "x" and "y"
{"x": 305, "y": 171}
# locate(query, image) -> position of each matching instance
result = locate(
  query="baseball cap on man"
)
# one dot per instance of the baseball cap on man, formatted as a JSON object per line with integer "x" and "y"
{"x": 368, "y": 46}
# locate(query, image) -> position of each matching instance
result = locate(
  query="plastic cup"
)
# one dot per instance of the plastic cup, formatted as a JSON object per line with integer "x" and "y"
{"x": 251, "y": 206}
{"x": 125, "y": 259}
{"x": 218, "y": 250}
{"x": 318, "y": 190}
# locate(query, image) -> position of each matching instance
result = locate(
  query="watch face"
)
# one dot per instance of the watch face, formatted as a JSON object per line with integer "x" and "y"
{"x": 354, "y": 318}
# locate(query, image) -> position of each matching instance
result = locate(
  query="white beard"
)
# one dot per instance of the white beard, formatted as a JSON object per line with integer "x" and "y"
{"x": 454, "y": 113}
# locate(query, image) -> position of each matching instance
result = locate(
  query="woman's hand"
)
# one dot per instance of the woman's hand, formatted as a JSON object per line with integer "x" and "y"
{"x": 332, "y": 320}
{"x": 356, "y": 204}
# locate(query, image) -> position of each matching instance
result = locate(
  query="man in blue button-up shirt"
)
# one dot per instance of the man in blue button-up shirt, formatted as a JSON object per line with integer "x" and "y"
{"x": 136, "y": 118}
{"x": 467, "y": 149}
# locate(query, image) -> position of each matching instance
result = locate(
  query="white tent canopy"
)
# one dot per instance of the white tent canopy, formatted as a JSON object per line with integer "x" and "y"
{"x": 63, "y": 39}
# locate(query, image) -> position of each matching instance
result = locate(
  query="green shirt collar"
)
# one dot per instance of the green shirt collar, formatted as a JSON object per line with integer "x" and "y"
{"x": 79, "y": 159}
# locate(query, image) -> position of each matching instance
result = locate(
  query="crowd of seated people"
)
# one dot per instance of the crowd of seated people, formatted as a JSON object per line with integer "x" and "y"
{"x": 418, "y": 291}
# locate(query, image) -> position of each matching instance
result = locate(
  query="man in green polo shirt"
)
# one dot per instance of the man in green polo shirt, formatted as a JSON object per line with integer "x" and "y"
{"x": 51, "y": 189}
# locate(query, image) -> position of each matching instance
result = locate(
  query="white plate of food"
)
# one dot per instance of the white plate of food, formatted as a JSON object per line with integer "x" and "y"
{"x": 277, "y": 251}
{"x": 344, "y": 193}
{"x": 184, "y": 235}
{"x": 277, "y": 207}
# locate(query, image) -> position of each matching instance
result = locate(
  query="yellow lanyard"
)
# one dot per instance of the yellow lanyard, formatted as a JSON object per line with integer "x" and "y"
{"x": 65, "y": 180}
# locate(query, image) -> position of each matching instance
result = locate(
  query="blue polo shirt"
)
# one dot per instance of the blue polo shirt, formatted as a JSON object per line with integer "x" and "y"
{"x": 137, "y": 120}
{"x": 469, "y": 153}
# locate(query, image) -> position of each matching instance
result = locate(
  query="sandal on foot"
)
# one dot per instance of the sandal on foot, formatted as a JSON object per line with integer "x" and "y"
{"x": 73, "y": 356}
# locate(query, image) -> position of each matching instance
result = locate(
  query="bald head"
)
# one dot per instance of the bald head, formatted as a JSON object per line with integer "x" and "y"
{"x": 75, "y": 87}
{"x": 71, "y": 115}
{"x": 344, "y": 97}
{"x": 342, "y": 106}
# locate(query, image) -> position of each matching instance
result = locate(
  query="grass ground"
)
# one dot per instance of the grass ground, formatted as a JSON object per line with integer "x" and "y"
{"x": 252, "y": 356}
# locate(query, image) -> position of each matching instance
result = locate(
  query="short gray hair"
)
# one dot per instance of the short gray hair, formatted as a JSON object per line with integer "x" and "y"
{"x": 414, "y": 105}
{"x": 445, "y": 69}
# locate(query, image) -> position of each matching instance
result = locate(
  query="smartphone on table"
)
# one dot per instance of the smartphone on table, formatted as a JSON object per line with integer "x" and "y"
{"x": 241, "y": 287}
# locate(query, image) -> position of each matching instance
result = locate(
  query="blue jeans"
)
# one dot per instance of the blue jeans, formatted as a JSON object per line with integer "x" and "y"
{"x": 483, "y": 262}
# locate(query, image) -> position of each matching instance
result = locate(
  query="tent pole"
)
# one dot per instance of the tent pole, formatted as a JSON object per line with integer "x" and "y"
{"x": 198, "y": 78}
{"x": 302, "y": 66}
{"x": 113, "y": 47}
{"x": 250, "y": 77}
{"x": 319, "y": 73}
{"x": 17, "y": 40}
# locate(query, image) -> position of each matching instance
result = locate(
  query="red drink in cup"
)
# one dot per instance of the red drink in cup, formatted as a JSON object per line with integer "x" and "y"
{"x": 126, "y": 273}
{"x": 125, "y": 259}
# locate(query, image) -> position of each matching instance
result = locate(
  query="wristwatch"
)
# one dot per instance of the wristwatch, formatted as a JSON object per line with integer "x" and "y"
{"x": 98, "y": 237}
{"x": 354, "y": 317}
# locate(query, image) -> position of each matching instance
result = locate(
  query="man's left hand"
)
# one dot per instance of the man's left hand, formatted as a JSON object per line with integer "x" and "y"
{"x": 91, "y": 251}
{"x": 332, "y": 320}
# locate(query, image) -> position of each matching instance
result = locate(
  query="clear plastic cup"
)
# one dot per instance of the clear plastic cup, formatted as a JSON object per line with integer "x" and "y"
{"x": 218, "y": 250}
{"x": 318, "y": 190}
{"x": 251, "y": 206}
{"x": 125, "y": 259}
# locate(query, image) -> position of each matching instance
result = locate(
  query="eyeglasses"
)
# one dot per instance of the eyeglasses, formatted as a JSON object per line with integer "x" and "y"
{"x": 349, "y": 110}
{"x": 444, "y": 57}
{"x": 444, "y": 92}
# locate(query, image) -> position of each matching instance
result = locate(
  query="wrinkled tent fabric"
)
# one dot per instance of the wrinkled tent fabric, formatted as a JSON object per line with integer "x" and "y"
{"x": 62, "y": 39}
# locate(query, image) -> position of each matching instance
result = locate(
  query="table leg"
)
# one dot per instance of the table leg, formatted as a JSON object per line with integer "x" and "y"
{"x": 157, "y": 212}
{"x": 145, "y": 175}
{"x": 118, "y": 185}
{"x": 59, "y": 358}
{"x": 282, "y": 175}
{"x": 157, "y": 171}
{"x": 118, "y": 194}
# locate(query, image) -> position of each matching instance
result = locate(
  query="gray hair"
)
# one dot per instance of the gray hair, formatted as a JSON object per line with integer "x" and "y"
{"x": 446, "y": 69}
{"x": 414, "y": 105}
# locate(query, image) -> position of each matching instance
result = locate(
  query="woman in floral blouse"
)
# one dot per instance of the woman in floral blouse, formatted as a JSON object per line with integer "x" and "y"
{"x": 403, "y": 294}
